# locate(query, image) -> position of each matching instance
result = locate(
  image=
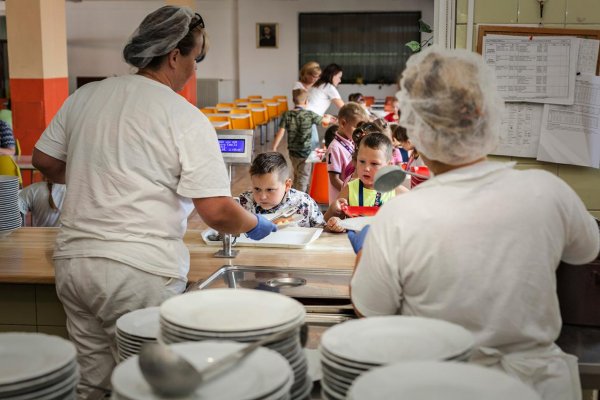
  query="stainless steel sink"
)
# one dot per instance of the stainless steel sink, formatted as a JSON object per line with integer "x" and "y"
{"x": 325, "y": 293}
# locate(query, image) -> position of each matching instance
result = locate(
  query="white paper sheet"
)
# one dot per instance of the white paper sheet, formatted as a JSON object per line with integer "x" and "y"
{"x": 539, "y": 69}
{"x": 520, "y": 134}
{"x": 587, "y": 61}
{"x": 571, "y": 134}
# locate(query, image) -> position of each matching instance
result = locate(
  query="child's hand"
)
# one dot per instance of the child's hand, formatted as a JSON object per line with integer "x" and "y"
{"x": 333, "y": 225}
{"x": 339, "y": 205}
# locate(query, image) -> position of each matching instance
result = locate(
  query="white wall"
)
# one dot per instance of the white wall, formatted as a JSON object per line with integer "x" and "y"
{"x": 272, "y": 71}
{"x": 97, "y": 31}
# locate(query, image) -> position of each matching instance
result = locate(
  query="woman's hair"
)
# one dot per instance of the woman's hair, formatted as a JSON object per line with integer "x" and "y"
{"x": 272, "y": 161}
{"x": 377, "y": 141}
{"x": 450, "y": 105}
{"x": 162, "y": 31}
{"x": 311, "y": 68}
{"x": 327, "y": 75}
{"x": 330, "y": 134}
{"x": 51, "y": 202}
{"x": 352, "y": 112}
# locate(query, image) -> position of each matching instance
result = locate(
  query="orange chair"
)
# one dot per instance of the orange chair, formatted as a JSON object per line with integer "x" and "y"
{"x": 236, "y": 101}
{"x": 241, "y": 119}
{"x": 283, "y": 101}
{"x": 208, "y": 110}
{"x": 225, "y": 107}
{"x": 319, "y": 183}
{"x": 260, "y": 117}
{"x": 255, "y": 97}
{"x": 369, "y": 100}
{"x": 273, "y": 113}
{"x": 218, "y": 121}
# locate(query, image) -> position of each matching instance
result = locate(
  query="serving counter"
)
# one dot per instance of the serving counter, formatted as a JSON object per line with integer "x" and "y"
{"x": 26, "y": 255}
{"x": 28, "y": 301}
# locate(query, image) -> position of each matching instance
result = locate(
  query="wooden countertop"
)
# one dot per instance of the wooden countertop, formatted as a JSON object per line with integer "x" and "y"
{"x": 26, "y": 255}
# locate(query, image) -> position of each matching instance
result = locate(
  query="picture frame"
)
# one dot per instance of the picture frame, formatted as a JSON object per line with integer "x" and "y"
{"x": 267, "y": 35}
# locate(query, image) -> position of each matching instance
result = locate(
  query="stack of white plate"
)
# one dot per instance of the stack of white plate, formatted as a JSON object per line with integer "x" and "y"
{"x": 262, "y": 375}
{"x": 10, "y": 217}
{"x": 351, "y": 348}
{"x": 431, "y": 380}
{"x": 242, "y": 315}
{"x": 37, "y": 366}
{"x": 136, "y": 328}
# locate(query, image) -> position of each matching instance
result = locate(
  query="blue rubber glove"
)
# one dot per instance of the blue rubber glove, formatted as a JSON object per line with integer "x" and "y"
{"x": 262, "y": 229}
{"x": 358, "y": 238}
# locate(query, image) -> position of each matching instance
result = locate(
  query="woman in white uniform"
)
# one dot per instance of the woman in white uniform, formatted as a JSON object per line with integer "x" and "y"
{"x": 324, "y": 92}
{"x": 137, "y": 157}
{"x": 309, "y": 74}
{"x": 479, "y": 243}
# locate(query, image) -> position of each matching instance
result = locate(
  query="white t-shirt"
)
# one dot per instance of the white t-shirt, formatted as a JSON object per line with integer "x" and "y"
{"x": 35, "y": 199}
{"x": 136, "y": 153}
{"x": 319, "y": 98}
{"x": 298, "y": 85}
{"x": 477, "y": 246}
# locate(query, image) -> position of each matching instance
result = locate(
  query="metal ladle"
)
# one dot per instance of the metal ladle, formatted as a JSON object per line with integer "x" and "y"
{"x": 170, "y": 375}
{"x": 391, "y": 176}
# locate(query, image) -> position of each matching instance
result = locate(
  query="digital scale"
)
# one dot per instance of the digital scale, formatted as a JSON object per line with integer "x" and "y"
{"x": 236, "y": 146}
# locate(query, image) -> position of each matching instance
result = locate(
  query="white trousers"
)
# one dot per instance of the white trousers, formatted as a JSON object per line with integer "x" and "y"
{"x": 95, "y": 292}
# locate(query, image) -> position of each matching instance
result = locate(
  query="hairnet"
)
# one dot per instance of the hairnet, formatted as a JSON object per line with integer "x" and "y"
{"x": 450, "y": 106}
{"x": 157, "y": 35}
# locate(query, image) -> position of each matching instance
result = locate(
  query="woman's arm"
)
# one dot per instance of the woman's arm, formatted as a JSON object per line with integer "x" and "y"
{"x": 339, "y": 103}
{"x": 52, "y": 168}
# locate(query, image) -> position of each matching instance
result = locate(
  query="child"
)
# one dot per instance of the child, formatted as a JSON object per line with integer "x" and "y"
{"x": 394, "y": 115}
{"x": 374, "y": 152}
{"x": 400, "y": 154}
{"x": 272, "y": 191}
{"x": 413, "y": 159}
{"x": 44, "y": 200}
{"x": 339, "y": 152}
{"x": 298, "y": 123}
{"x": 379, "y": 126}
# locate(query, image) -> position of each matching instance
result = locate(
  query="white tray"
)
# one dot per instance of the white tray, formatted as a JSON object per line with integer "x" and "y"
{"x": 291, "y": 237}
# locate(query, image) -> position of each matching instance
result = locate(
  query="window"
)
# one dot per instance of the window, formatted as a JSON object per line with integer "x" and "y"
{"x": 368, "y": 46}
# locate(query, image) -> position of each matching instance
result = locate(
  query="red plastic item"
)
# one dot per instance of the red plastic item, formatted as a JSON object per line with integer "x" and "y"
{"x": 359, "y": 211}
{"x": 421, "y": 170}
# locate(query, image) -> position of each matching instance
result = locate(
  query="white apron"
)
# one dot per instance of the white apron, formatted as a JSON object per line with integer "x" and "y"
{"x": 551, "y": 372}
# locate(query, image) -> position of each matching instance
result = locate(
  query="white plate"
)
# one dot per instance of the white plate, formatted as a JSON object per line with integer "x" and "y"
{"x": 231, "y": 310}
{"x": 25, "y": 356}
{"x": 389, "y": 339}
{"x": 262, "y": 373}
{"x": 142, "y": 323}
{"x": 436, "y": 380}
{"x": 355, "y": 224}
{"x": 292, "y": 237}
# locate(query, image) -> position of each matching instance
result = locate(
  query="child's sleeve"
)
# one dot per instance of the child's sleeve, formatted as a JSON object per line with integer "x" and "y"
{"x": 315, "y": 215}
{"x": 334, "y": 159}
{"x": 316, "y": 118}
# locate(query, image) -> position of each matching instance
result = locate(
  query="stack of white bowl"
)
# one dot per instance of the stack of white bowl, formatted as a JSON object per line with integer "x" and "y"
{"x": 242, "y": 315}
{"x": 136, "y": 328}
{"x": 37, "y": 366}
{"x": 433, "y": 380}
{"x": 354, "y": 347}
{"x": 262, "y": 375}
{"x": 10, "y": 217}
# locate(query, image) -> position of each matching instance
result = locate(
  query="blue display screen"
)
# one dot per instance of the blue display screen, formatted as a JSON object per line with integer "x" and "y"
{"x": 232, "y": 145}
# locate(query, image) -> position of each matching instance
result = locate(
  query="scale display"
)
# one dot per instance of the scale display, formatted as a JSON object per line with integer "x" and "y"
{"x": 236, "y": 145}
{"x": 232, "y": 145}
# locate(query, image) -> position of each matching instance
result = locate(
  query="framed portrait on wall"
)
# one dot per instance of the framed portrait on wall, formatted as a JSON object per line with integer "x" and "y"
{"x": 267, "y": 34}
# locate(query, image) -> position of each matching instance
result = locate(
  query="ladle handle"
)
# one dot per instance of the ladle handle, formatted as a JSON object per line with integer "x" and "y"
{"x": 225, "y": 363}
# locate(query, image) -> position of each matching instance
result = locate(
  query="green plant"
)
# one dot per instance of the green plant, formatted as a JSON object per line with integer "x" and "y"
{"x": 415, "y": 46}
